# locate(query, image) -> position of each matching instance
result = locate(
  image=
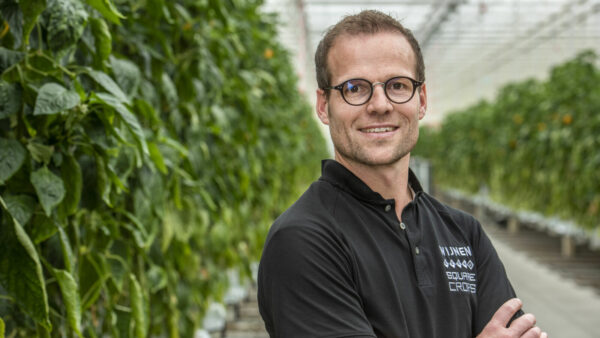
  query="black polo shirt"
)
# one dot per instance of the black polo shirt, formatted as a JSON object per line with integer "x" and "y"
{"x": 339, "y": 263}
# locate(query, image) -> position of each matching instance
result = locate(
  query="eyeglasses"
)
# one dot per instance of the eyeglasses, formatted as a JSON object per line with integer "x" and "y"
{"x": 357, "y": 92}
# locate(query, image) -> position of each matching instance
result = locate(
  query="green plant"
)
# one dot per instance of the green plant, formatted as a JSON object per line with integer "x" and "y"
{"x": 536, "y": 146}
{"x": 145, "y": 147}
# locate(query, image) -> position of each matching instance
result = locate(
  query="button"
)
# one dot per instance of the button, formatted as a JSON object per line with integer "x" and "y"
{"x": 402, "y": 226}
{"x": 388, "y": 208}
{"x": 417, "y": 251}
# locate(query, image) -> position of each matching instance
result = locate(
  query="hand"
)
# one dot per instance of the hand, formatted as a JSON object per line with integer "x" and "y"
{"x": 522, "y": 327}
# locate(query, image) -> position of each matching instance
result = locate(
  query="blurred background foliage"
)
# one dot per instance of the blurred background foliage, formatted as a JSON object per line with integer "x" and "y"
{"x": 145, "y": 147}
{"x": 536, "y": 146}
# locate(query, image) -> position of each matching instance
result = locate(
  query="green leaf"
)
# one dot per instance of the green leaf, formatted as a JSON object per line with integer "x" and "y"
{"x": 92, "y": 275}
{"x": 53, "y": 98}
{"x": 21, "y": 207}
{"x": 40, "y": 152}
{"x": 70, "y": 294}
{"x": 102, "y": 38}
{"x": 70, "y": 171}
{"x": 107, "y": 9}
{"x": 12, "y": 156}
{"x": 169, "y": 90}
{"x": 157, "y": 157}
{"x": 103, "y": 182}
{"x": 11, "y": 12}
{"x": 137, "y": 307}
{"x": 65, "y": 21}
{"x": 109, "y": 84}
{"x": 49, "y": 188}
{"x": 30, "y": 15}
{"x": 42, "y": 227}
{"x": 130, "y": 120}
{"x": 10, "y": 99}
{"x": 20, "y": 270}
{"x": 1, "y": 328}
{"x": 66, "y": 249}
{"x": 127, "y": 74}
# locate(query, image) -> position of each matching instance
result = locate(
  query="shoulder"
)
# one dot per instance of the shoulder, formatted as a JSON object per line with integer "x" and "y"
{"x": 312, "y": 214}
{"x": 454, "y": 215}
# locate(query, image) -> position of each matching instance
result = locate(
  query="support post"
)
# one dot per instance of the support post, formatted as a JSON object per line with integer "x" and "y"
{"x": 567, "y": 246}
{"x": 513, "y": 225}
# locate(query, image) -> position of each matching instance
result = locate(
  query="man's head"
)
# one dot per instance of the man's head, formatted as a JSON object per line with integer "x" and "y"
{"x": 371, "y": 94}
{"x": 366, "y": 22}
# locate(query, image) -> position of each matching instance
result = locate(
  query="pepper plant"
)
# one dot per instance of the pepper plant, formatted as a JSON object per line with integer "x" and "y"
{"x": 145, "y": 147}
{"x": 536, "y": 146}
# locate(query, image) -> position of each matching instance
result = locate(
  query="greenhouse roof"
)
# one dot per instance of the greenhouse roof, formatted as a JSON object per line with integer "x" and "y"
{"x": 471, "y": 47}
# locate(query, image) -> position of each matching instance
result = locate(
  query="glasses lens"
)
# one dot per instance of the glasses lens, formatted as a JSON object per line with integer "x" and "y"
{"x": 356, "y": 91}
{"x": 399, "y": 89}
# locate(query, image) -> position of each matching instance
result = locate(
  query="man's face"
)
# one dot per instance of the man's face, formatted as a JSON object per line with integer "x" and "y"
{"x": 379, "y": 132}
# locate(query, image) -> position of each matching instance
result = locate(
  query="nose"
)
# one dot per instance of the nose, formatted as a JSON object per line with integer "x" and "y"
{"x": 379, "y": 103}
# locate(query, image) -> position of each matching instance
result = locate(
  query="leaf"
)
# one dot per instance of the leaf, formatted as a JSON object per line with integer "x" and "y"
{"x": 70, "y": 171}
{"x": 127, "y": 74}
{"x": 11, "y": 12}
{"x": 53, "y": 98}
{"x": 103, "y": 183}
{"x": 21, "y": 207}
{"x": 40, "y": 152}
{"x": 137, "y": 307}
{"x": 65, "y": 21}
{"x": 30, "y": 15}
{"x": 102, "y": 38}
{"x": 42, "y": 227}
{"x": 20, "y": 270}
{"x": 10, "y": 99}
{"x": 107, "y": 9}
{"x": 12, "y": 156}
{"x": 92, "y": 276}
{"x": 49, "y": 188}
{"x": 169, "y": 90}
{"x": 157, "y": 157}
{"x": 109, "y": 84}
{"x": 72, "y": 302}
{"x": 1, "y": 328}
{"x": 130, "y": 120}
{"x": 66, "y": 249}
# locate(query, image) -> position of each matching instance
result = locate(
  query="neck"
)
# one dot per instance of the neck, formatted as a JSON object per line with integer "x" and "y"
{"x": 390, "y": 181}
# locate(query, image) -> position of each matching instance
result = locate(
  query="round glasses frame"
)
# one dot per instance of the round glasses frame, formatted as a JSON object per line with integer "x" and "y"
{"x": 416, "y": 84}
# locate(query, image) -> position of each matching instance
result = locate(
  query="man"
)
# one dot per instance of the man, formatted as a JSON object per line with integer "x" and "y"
{"x": 365, "y": 252}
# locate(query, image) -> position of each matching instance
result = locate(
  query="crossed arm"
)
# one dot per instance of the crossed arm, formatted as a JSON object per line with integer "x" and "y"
{"x": 522, "y": 327}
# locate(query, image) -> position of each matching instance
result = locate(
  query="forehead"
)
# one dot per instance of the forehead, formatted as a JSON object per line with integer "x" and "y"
{"x": 371, "y": 55}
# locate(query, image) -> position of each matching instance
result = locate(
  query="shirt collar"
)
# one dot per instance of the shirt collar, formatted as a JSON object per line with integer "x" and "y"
{"x": 338, "y": 175}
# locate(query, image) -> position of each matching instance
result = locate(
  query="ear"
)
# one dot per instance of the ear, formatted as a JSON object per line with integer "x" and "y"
{"x": 422, "y": 101}
{"x": 322, "y": 106}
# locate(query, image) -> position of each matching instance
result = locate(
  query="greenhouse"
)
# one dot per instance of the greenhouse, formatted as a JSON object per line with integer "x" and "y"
{"x": 148, "y": 147}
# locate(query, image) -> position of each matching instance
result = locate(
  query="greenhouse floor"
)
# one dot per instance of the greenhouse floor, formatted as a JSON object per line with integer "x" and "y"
{"x": 562, "y": 307}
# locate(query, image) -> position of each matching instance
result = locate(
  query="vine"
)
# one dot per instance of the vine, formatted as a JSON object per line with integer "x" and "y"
{"x": 145, "y": 147}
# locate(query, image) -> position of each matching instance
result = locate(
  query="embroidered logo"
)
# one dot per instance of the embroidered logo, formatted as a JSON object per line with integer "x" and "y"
{"x": 458, "y": 261}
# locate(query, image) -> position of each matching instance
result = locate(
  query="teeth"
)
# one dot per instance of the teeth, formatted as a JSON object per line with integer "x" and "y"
{"x": 378, "y": 130}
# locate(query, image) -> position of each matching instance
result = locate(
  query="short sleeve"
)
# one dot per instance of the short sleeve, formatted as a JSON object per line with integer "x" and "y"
{"x": 305, "y": 286}
{"x": 493, "y": 288}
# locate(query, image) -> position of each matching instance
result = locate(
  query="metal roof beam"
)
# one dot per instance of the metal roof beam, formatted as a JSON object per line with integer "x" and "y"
{"x": 438, "y": 15}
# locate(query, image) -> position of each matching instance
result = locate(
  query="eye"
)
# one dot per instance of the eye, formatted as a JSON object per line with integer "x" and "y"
{"x": 356, "y": 87}
{"x": 397, "y": 85}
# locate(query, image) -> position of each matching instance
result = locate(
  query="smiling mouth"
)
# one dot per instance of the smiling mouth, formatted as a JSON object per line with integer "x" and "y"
{"x": 378, "y": 130}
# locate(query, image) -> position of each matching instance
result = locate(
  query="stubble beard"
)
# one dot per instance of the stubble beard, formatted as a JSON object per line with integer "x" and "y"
{"x": 350, "y": 150}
